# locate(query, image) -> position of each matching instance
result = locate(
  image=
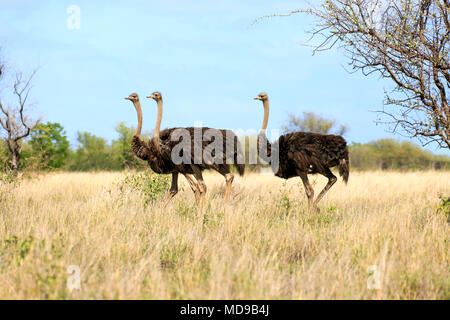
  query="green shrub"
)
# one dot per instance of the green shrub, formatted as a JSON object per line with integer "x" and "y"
{"x": 444, "y": 207}
{"x": 8, "y": 177}
{"x": 14, "y": 250}
{"x": 150, "y": 185}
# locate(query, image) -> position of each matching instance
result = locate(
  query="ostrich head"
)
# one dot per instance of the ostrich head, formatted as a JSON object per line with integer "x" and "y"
{"x": 262, "y": 96}
{"x": 133, "y": 97}
{"x": 155, "y": 96}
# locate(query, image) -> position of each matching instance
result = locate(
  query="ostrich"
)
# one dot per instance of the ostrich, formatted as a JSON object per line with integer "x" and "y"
{"x": 303, "y": 153}
{"x": 200, "y": 163}
{"x": 151, "y": 152}
{"x": 158, "y": 153}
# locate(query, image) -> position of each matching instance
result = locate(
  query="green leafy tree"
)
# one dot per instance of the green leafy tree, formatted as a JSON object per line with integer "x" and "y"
{"x": 4, "y": 154}
{"x": 49, "y": 145}
{"x": 93, "y": 153}
{"x": 311, "y": 122}
{"x": 121, "y": 148}
{"x": 250, "y": 149}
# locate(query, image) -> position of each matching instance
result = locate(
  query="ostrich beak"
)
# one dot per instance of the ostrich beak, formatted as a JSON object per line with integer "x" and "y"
{"x": 151, "y": 97}
{"x": 257, "y": 98}
{"x": 127, "y": 98}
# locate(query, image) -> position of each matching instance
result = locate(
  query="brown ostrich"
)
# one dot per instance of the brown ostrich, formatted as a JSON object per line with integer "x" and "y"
{"x": 158, "y": 153}
{"x": 198, "y": 162}
{"x": 151, "y": 152}
{"x": 303, "y": 153}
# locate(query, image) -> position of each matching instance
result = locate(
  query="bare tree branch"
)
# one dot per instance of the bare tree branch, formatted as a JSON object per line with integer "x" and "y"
{"x": 13, "y": 120}
{"x": 407, "y": 41}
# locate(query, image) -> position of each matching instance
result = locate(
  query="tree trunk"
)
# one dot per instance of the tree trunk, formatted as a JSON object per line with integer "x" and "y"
{"x": 14, "y": 147}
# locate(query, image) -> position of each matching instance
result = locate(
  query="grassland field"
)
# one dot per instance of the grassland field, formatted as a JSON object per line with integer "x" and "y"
{"x": 382, "y": 236}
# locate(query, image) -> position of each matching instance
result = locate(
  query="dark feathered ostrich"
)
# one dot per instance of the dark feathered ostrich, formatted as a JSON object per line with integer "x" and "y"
{"x": 151, "y": 152}
{"x": 158, "y": 153}
{"x": 303, "y": 153}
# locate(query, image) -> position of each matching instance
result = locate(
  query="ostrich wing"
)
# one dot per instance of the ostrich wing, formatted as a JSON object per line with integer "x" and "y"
{"x": 326, "y": 148}
{"x": 140, "y": 148}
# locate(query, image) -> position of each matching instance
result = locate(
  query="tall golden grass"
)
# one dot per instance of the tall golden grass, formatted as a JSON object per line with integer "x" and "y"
{"x": 264, "y": 245}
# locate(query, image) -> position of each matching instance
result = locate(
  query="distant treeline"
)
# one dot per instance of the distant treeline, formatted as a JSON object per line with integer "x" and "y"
{"x": 48, "y": 149}
{"x": 390, "y": 154}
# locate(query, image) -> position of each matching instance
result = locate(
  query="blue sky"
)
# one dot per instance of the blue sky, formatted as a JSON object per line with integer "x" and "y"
{"x": 206, "y": 58}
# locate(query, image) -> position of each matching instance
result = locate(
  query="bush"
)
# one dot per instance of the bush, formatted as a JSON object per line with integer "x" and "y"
{"x": 444, "y": 207}
{"x": 150, "y": 185}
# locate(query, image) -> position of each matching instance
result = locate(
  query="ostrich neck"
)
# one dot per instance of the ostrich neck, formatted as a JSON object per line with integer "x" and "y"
{"x": 158, "y": 121}
{"x": 266, "y": 116}
{"x": 264, "y": 146}
{"x": 137, "y": 105}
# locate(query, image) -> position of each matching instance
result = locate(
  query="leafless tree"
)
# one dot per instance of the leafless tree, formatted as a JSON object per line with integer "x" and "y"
{"x": 406, "y": 41}
{"x": 13, "y": 121}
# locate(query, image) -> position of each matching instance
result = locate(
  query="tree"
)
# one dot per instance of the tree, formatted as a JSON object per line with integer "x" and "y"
{"x": 311, "y": 122}
{"x": 4, "y": 154}
{"x": 93, "y": 153}
{"x": 250, "y": 142}
{"x": 406, "y": 41}
{"x": 398, "y": 155}
{"x": 49, "y": 144}
{"x": 122, "y": 148}
{"x": 14, "y": 122}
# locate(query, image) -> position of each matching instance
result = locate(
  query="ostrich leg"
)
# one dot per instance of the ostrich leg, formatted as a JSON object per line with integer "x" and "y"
{"x": 173, "y": 189}
{"x": 331, "y": 180}
{"x": 201, "y": 185}
{"x": 309, "y": 190}
{"x": 193, "y": 186}
{"x": 229, "y": 177}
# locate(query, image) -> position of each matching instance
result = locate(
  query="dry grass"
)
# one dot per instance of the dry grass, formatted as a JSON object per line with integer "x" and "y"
{"x": 265, "y": 245}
